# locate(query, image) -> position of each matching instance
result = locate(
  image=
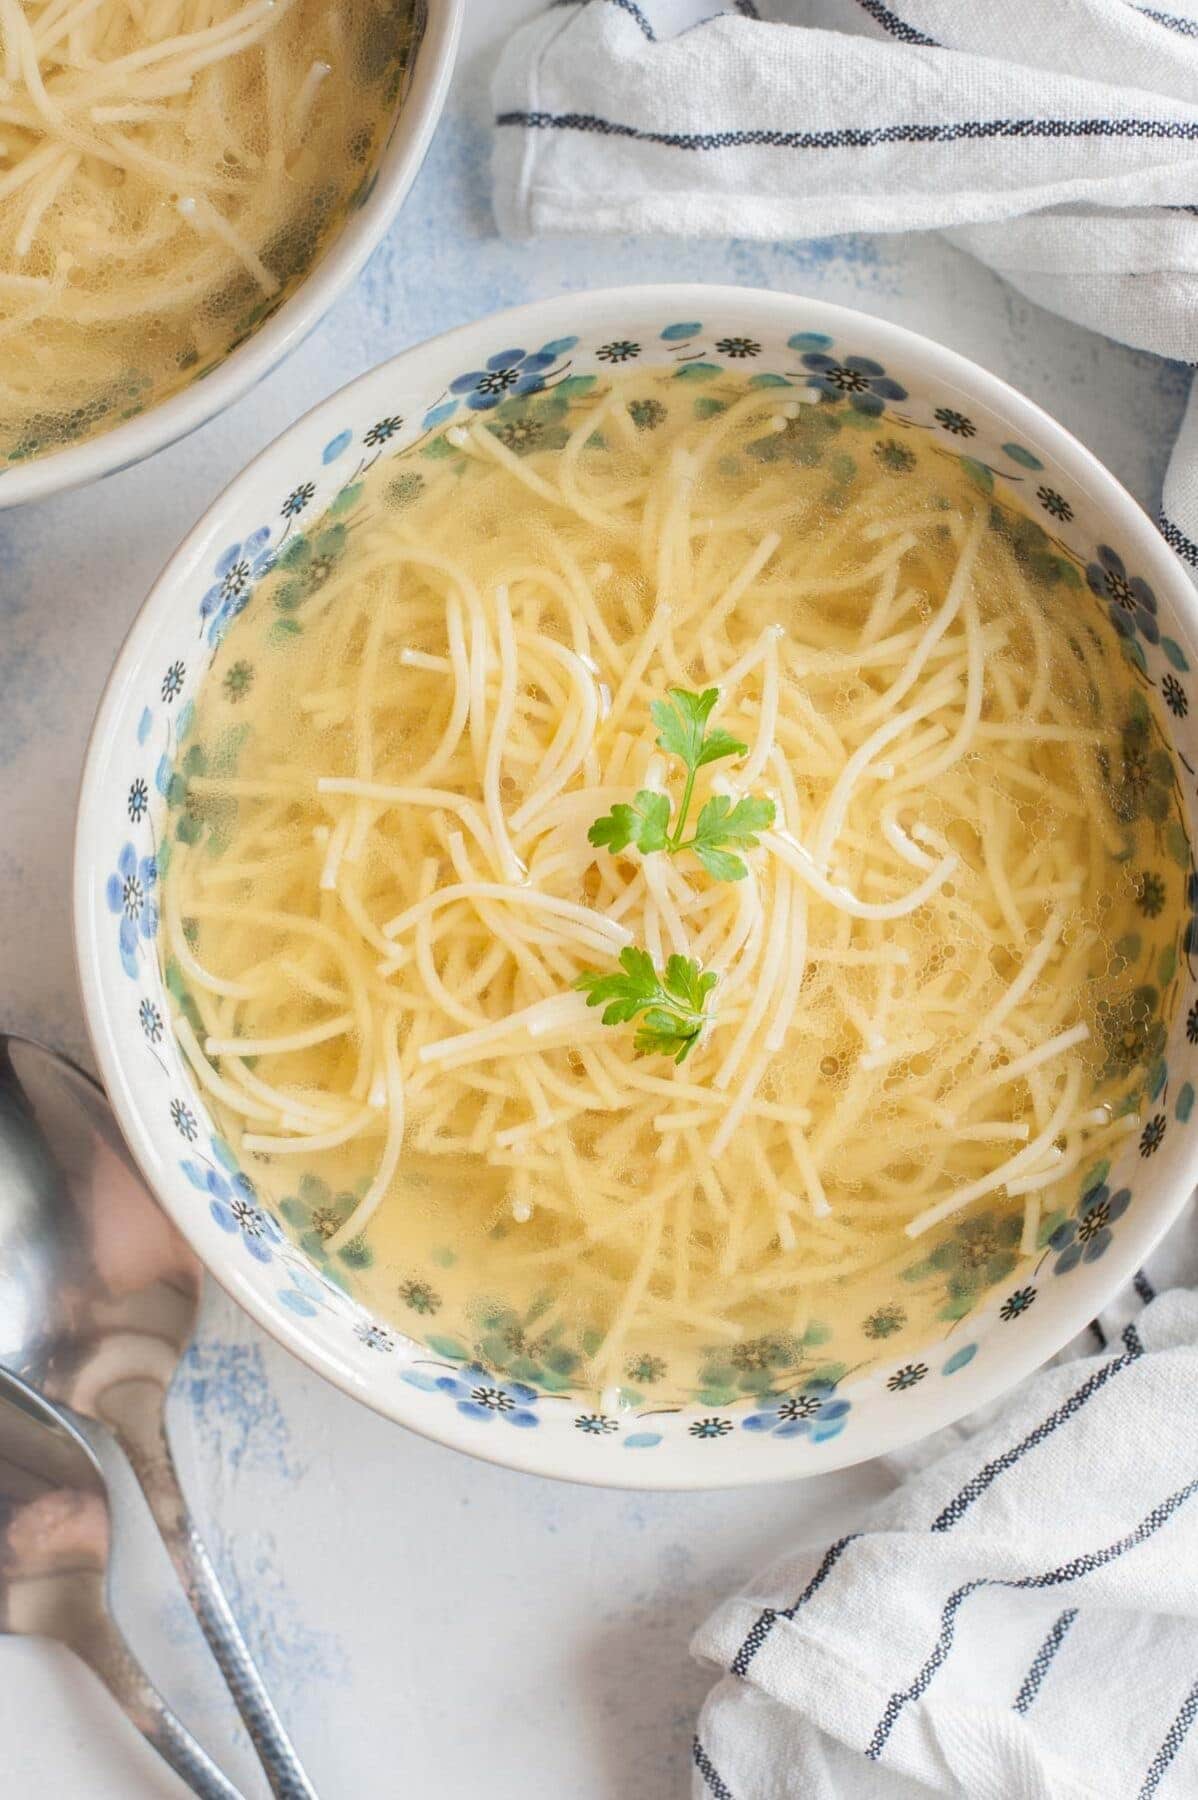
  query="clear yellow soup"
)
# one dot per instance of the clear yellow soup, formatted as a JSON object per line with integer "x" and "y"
{"x": 168, "y": 173}
{"x": 531, "y": 1059}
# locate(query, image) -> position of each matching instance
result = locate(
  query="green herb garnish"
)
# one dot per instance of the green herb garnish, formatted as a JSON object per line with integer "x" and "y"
{"x": 682, "y": 732}
{"x": 670, "y": 1002}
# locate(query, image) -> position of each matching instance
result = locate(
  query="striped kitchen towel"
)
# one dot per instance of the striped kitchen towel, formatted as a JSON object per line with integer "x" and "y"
{"x": 1055, "y": 139}
{"x": 1017, "y": 1621}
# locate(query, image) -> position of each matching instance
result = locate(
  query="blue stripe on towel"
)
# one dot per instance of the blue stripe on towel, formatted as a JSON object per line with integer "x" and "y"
{"x": 1171, "y": 22}
{"x": 1176, "y": 539}
{"x": 1084, "y": 1564}
{"x": 711, "y": 1775}
{"x": 765, "y": 1624}
{"x": 1042, "y": 1659}
{"x": 860, "y": 137}
{"x": 628, "y": 6}
{"x": 1174, "y": 1738}
{"x": 634, "y": 12}
{"x": 746, "y": 8}
{"x": 978, "y": 1483}
{"x": 956, "y": 1508}
{"x": 898, "y": 28}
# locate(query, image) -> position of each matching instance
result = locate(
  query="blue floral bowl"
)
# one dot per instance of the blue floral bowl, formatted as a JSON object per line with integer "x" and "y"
{"x": 152, "y": 420}
{"x": 970, "y": 1315}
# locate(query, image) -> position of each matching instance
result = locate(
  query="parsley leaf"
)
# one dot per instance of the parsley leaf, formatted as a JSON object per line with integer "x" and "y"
{"x": 682, "y": 729}
{"x": 719, "y": 824}
{"x": 645, "y": 823}
{"x": 672, "y": 1002}
{"x": 682, "y": 732}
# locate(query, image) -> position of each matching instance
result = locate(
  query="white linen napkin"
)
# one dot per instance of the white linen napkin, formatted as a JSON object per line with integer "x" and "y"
{"x": 1055, "y": 139}
{"x": 1019, "y": 1620}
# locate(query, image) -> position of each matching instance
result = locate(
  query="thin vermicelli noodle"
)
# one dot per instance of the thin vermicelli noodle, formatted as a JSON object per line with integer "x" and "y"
{"x": 382, "y": 893}
{"x": 166, "y": 174}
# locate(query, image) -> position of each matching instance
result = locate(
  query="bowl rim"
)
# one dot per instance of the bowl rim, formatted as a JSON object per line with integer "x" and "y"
{"x": 110, "y": 452}
{"x": 1048, "y": 1331}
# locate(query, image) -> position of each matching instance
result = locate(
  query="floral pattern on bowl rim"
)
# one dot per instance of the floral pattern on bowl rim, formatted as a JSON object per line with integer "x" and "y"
{"x": 836, "y": 1414}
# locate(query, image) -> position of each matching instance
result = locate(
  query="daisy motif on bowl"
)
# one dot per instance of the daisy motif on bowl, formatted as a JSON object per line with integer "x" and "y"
{"x": 815, "y": 1412}
{"x": 233, "y": 1204}
{"x": 907, "y": 1377}
{"x": 710, "y": 1428}
{"x": 297, "y": 499}
{"x": 382, "y": 431}
{"x": 236, "y": 570}
{"x": 885, "y": 1320}
{"x": 507, "y": 373}
{"x": 1174, "y": 695}
{"x": 238, "y": 681}
{"x": 1054, "y": 504}
{"x": 1130, "y": 602}
{"x": 130, "y": 894}
{"x": 646, "y": 415}
{"x": 1017, "y": 1303}
{"x": 150, "y": 1020}
{"x": 374, "y": 1337}
{"x": 184, "y": 1120}
{"x": 1086, "y": 1236}
{"x": 860, "y": 380}
{"x": 307, "y": 562}
{"x": 596, "y": 1424}
{"x": 481, "y": 1395}
{"x": 618, "y": 351}
{"x": 957, "y": 422}
{"x": 419, "y": 1296}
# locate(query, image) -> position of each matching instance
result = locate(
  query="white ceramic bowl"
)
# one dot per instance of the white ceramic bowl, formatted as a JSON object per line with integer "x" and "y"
{"x": 997, "y": 1317}
{"x": 338, "y": 264}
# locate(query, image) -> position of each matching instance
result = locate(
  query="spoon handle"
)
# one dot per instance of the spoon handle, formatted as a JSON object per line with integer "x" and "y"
{"x": 101, "y": 1646}
{"x": 141, "y": 1433}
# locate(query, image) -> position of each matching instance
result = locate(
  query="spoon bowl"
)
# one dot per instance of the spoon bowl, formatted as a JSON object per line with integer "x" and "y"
{"x": 100, "y": 1292}
{"x": 54, "y": 1545}
{"x": 97, "y": 1306}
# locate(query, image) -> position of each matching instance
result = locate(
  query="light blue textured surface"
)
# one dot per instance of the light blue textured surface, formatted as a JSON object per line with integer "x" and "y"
{"x": 434, "y": 1628}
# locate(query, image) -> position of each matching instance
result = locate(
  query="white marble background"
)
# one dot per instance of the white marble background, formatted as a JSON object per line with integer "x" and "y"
{"x": 434, "y": 1629}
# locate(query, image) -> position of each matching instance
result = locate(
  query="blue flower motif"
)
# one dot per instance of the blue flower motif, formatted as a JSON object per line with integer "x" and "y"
{"x": 860, "y": 380}
{"x": 297, "y": 499}
{"x": 710, "y": 1428}
{"x": 374, "y": 1337}
{"x": 1130, "y": 602}
{"x": 481, "y": 1395}
{"x": 151, "y": 1021}
{"x": 596, "y": 1424}
{"x": 236, "y": 569}
{"x": 1085, "y": 1237}
{"x": 814, "y": 1412}
{"x": 233, "y": 1203}
{"x": 509, "y": 373}
{"x": 129, "y": 893}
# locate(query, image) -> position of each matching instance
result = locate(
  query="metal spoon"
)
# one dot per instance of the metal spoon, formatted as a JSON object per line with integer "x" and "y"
{"x": 98, "y": 1300}
{"x": 54, "y": 1571}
